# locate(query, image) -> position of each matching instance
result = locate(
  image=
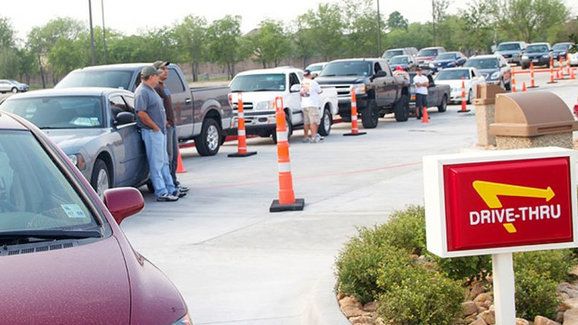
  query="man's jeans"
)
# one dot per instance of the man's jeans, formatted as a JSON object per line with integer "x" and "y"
{"x": 173, "y": 152}
{"x": 160, "y": 175}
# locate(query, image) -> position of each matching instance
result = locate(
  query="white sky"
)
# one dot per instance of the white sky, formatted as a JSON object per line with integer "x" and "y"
{"x": 132, "y": 16}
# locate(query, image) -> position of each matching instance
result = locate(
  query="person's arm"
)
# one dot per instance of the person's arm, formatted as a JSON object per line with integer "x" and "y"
{"x": 148, "y": 121}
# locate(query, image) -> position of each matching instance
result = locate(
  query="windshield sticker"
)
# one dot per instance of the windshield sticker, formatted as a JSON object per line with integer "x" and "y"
{"x": 73, "y": 211}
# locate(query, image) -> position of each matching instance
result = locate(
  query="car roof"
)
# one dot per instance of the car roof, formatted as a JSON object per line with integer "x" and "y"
{"x": 511, "y": 42}
{"x": 432, "y": 48}
{"x": 80, "y": 91}
{"x": 458, "y": 68}
{"x": 486, "y": 56}
{"x": 564, "y": 43}
{"x": 118, "y": 66}
{"x": 9, "y": 122}
{"x": 270, "y": 70}
{"x": 358, "y": 59}
{"x": 539, "y": 43}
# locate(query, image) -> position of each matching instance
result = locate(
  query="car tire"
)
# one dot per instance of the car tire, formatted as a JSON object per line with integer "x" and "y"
{"x": 470, "y": 96}
{"x": 508, "y": 86}
{"x": 370, "y": 117}
{"x": 209, "y": 141}
{"x": 443, "y": 105}
{"x": 326, "y": 121}
{"x": 401, "y": 109}
{"x": 14, "y": 90}
{"x": 100, "y": 178}
{"x": 150, "y": 186}
{"x": 289, "y": 129}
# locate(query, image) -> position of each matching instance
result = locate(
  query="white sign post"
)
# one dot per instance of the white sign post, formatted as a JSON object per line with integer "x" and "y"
{"x": 504, "y": 289}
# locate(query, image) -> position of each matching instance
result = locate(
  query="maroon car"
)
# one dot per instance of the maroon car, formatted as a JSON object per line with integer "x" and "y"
{"x": 63, "y": 257}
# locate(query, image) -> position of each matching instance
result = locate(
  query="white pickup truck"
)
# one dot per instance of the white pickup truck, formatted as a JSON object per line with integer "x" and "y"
{"x": 259, "y": 89}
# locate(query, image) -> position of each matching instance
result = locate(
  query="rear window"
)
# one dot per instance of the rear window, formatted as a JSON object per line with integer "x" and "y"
{"x": 399, "y": 60}
{"x": 509, "y": 47}
{"x": 347, "y": 68}
{"x": 537, "y": 49}
{"x": 96, "y": 78}
{"x": 428, "y": 52}
{"x": 453, "y": 74}
{"x": 447, "y": 56}
{"x": 391, "y": 53}
{"x": 481, "y": 64}
{"x": 259, "y": 82}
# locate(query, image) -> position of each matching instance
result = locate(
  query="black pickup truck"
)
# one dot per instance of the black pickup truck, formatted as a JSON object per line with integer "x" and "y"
{"x": 378, "y": 91}
{"x": 201, "y": 114}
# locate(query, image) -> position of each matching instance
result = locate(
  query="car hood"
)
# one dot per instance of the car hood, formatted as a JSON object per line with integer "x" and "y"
{"x": 454, "y": 83}
{"x": 339, "y": 80}
{"x": 66, "y": 286}
{"x": 72, "y": 139}
{"x": 487, "y": 71}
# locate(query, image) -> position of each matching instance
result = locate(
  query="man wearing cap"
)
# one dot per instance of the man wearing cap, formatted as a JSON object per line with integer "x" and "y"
{"x": 151, "y": 118}
{"x": 172, "y": 141}
{"x": 310, "y": 103}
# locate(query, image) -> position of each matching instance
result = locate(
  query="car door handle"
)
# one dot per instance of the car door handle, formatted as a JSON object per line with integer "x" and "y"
{"x": 187, "y": 101}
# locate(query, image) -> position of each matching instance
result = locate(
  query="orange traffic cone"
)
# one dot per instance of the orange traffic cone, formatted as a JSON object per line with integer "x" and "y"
{"x": 464, "y": 107}
{"x": 572, "y": 75}
{"x": 287, "y": 201}
{"x": 576, "y": 109}
{"x": 524, "y": 87}
{"x": 532, "y": 81}
{"x": 514, "y": 82}
{"x": 180, "y": 166}
{"x": 425, "y": 117}
{"x": 552, "y": 81}
{"x": 354, "y": 128}
{"x": 241, "y": 135}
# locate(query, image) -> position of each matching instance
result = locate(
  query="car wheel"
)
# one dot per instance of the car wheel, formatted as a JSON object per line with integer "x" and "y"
{"x": 150, "y": 186}
{"x": 401, "y": 109}
{"x": 209, "y": 141}
{"x": 100, "y": 178}
{"x": 289, "y": 129}
{"x": 325, "y": 125}
{"x": 443, "y": 105}
{"x": 470, "y": 96}
{"x": 14, "y": 90}
{"x": 508, "y": 86}
{"x": 370, "y": 117}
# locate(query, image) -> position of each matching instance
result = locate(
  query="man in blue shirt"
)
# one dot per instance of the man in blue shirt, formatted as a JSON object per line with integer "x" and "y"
{"x": 153, "y": 123}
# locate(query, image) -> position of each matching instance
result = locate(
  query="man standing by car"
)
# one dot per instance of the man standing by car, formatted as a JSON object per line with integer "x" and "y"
{"x": 421, "y": 83}
{"x": 310, "y": 91}
{"x": 172, "y": 140}
{"x": 153, "y": 123}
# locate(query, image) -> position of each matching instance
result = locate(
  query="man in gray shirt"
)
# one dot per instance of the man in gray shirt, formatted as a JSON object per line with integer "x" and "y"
{"x": 153, "y": 123}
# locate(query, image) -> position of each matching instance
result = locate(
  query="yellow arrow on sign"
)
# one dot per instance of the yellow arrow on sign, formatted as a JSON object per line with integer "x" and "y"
{"x": 490, "y": 191}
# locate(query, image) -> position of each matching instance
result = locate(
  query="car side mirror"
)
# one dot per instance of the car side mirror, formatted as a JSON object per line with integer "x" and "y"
{"x": 123, "y": 118}
{"x": 123, "y": 202}
{"x": 295, "y": 88}
{"x": 380, "y": 74}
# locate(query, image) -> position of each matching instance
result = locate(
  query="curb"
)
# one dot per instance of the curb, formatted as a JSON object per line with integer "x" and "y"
{"x": 322, "y": 307}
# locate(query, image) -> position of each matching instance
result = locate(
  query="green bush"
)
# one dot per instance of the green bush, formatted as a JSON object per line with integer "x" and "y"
{"x": 535, "y": 294}
{"x": 465, "y": 268}
{"x": 554, "y": 264}
{"x": 422, "y": 297}
{"x": 406, "y": 229}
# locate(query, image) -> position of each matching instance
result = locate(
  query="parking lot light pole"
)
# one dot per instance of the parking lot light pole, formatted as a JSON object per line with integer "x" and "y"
{"x": 378, "y": 30}
{"x": 92, "y": 48}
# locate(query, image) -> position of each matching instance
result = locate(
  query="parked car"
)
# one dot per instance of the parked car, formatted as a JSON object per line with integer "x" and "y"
{"x": 64, "y": 258}
{"x": 405, "y": 61}
{"x": 447, "y": 60}
{"x": 494, "y": 68}
{"x": 453, "y": 77}
{"x": 315, "y": 68}
{"x": 573, "y": 50}
{"x": 428, "y": 54}
{"x": 202, "y": 114}
{"x": 511, "y": 51}
{"x": 259, "y": 89}
{"x": 13, "y": 86}
{"x": 437, "y": 94}
{"x": 95, "y": 127}
{"x": 410, "y": 51}
{"x": 560, "y": 50}
{"x": 378, "y": 91}
{"x": 538, "y": 54}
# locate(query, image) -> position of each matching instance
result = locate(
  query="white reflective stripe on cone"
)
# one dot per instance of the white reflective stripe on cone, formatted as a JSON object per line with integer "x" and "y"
{"x": 354, "y": 105}
{"x": 284, "y": 167}
{"x": 241, "y": 133}
{"x": 241, "y": 115}
{"x": 354, "y": 118}
{"x": 281, "y": 136}
{"x": 242, "y": 148}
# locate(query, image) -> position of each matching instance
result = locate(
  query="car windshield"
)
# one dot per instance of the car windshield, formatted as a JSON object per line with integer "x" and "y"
{"x": 34, "y": 194}
{"x": 259, "y": 82}
{"x": 58, "y": 112}
{"x": 537, "y": 49}
{"x": 428, "y": 52}
{"x": 347, "y": 68}
{"x": 446, "y": 56}
{"x": 561, "y": 47}
{"x": 391, "y": 53}
{"x": 509, "y": 47}
{"x": 481, "y": 64}
{"x": 453, "y": 74}
{"x": 96, "y": 78}
{"x": 315, "y": 67}
{"x": 399, "y": 60}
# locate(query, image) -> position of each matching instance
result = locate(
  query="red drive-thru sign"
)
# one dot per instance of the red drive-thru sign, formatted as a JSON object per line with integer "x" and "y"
{"x": 500, "y": 201}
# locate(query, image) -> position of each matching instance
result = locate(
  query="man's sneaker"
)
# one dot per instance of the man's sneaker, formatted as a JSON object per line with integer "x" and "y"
{"x": 182, "y": 188}
{"x": 318, "y": 138}
{"x": 167, "y": 198}
{"x": 306, "y": 140}
{"x": 179, "y": 194}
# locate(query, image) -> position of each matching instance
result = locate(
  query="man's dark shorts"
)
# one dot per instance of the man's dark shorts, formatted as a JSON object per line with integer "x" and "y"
{"x": 420, "y": 103}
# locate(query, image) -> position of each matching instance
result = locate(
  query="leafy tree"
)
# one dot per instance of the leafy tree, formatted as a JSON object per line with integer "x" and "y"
{"x": 8, "y": 63}
{"x": 361, "y": 32}
{"x": 396, "y": 21}
{"x": 479, "y": 19}
{"x": 439, "y": 13}
{"x": 270, "y": 43}
{"x": 190, "y": 36}
{"x": 66, "y": 55}
{"x": 325, "y": 29}
{"x": 531, "y": 20}
{"x": 224, "y": 40}
{"x": 417, "y": 35}
{"x": 7, "y": 39}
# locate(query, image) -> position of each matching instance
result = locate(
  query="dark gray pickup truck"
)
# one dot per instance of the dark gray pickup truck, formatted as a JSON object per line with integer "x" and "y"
{"x": 201, "y": 114}
{"x": 378, "y": 91}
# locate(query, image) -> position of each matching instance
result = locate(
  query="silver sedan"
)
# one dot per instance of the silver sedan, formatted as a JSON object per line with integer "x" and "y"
{"x": 96, "y": 129}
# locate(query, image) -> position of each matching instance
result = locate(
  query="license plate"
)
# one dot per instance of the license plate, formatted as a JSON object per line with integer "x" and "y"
{"x": 535, "y": 60}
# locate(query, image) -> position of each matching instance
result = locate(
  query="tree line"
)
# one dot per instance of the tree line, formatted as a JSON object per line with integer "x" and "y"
{"x": 348, "y": 29}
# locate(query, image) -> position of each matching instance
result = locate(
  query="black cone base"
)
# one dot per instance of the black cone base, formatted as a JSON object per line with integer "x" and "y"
{"x": 354, "y": 134}
{"x": 297, "y": 206}
{"x": 237, "y": 155}
{"x": 463, "y": 111}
